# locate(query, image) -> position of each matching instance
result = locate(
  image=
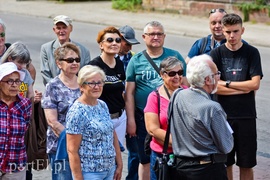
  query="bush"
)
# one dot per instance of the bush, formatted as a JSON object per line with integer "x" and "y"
{"x": 130, "y": 5}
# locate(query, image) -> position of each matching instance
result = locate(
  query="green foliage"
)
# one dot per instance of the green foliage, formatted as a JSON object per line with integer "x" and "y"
{"x": 130, "y": 5}
{"x": 247, "y": 8}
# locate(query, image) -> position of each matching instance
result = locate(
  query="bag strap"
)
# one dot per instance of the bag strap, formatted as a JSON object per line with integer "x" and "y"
{"x": 170, "y": 112}
{"x": 203, "y": 45}
{"x": 151, "y": 61}
{"x": 158, "y": 101}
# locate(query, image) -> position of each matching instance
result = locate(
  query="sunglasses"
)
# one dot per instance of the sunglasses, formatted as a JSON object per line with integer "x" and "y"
{"x": 71, "y": 60}
{"x": 217, "y": 10}
{"x": 110, "y": 40}
{"x": 173, "y": 73}
{"x": 2, "y": 34}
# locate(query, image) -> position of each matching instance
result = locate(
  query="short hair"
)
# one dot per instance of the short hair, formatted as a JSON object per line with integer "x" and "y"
{"x": 89, "y": 71}
{"x": 169, "y": 63}
{"x": 19, "y": 51}
{"x": 110, "y": 29}
{"x": 61, "y": 51}
{"x": 198, "y": 69}
{"x": 3, "y": 24}
{"x": 231, "y": 19}
{"x": 152, "y": 24}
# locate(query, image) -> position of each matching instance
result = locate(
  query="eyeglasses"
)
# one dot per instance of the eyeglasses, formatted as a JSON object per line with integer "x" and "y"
{"x": 217, "y": 10}
{"x": 152, "y": 35}
{"x": 217, "y": 74}
{"x": 2, "y": 34}
{"x": 173, "y": 73}
{"x": 110, "y": 40}
{"x": 71, "y": 60}
{"x": 11, "y": 81}
{"x": 94, "y": 84}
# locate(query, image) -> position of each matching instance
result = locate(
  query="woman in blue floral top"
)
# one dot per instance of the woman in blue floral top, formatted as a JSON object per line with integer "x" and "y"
{"x": 60, "y": 92}
{"x": 91, "y": 139}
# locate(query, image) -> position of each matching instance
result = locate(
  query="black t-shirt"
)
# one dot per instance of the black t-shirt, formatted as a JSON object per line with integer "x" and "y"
{"x": 114, "y": 87}
{"x": 240, "y": 65}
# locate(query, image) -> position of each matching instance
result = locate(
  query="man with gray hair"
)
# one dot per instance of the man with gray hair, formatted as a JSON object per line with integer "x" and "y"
{"x": 201, "y": 135}
{"x": 141, "y": 79}
{"x": 62, "y": 28}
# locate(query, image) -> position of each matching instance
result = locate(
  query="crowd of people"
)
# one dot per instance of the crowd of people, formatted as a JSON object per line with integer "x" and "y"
{"x": 96, "y": 108}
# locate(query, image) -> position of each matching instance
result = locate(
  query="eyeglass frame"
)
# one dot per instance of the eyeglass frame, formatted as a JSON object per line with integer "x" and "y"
{"x": 217, "y": 74}
{"x": 152, "y": 35}
{"x": 94, "y": 84}
{"x": 11, "y": 82}
{"x": 111, "y": 40}
{"x": 68, "y": 60}
{"x": 2, "y": 34}
{"x": 180, "y": 73}
{"x": 221, "y": 10}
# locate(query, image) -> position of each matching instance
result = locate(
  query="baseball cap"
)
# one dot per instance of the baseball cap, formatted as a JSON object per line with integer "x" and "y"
{"x": 128, "y": 34}
{"x": 62, "y": 18}
{"x": 8, "y": 68}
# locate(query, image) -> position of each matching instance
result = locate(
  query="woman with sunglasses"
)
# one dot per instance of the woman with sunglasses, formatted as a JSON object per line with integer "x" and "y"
{"x": 92, "y": 144}
{"x": 155, "y": 112}
{"x": 109, "y": 40}
{"x": 60, "y": 92}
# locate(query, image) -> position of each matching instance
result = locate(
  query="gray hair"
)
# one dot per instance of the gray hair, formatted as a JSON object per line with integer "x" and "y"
{"x": 198, "y": 69}
{"x": 152, "y": 24}
{"x": 19, "y": 51}
{"x": 169, "y": 63}
{"x": 3, "y": 24}
{"x": 89, "y": 71}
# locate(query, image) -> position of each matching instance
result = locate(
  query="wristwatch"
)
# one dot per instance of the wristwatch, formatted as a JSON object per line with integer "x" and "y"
{"x": 228, "y": 82}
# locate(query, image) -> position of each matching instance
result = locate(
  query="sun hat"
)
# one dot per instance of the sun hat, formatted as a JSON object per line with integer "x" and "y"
{"x": 8, "y": 68}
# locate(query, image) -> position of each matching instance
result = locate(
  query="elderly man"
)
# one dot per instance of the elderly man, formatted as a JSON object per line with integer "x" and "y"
{"x": 141, "y": 79}
{"x": 62, "y": 28}
{"x": 201, "y": 135}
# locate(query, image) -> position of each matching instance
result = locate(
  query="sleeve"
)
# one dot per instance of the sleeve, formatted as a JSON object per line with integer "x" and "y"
{"x": 48, "y": 100}
{"x": 152, "y": 103}
{"x": 74, "y": 120}
{"x": 194, "y": 50}
{"x": 85, "y": 56}
{"x": 130, "y": 71}
{"x": 44, "y": 66}
{"x": 256, "y": 67}
{"x": 222, "y": 132}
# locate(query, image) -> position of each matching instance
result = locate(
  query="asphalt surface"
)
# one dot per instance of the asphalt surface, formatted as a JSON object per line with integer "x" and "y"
{"x": 101, "y": 13}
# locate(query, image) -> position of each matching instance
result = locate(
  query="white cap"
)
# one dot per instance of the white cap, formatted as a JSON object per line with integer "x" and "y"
{"x": 8, "y": 68}
{"x": 62, "y": 18}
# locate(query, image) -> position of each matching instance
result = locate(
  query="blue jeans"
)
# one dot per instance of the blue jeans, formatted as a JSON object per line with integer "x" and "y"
{"x": 104, "y": 175}
{"x": 133, "y": 158}
{"x": 60, "y": 170}
{"x": 153, "y": 158}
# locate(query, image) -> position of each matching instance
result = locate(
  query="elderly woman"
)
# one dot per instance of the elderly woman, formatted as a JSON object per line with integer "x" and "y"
{"x": 109, "y": 40}
{"x": 20, "y": 55}
{"x": 15, "y": 113}
{"x": 60, "y": 92}
{"x": 171, "y": 71}
{"x": 92, "y": 144}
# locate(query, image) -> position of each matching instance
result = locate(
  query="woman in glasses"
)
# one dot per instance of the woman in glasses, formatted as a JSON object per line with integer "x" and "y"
{"x": 15, "y": 113}
{"x": 60, "y": 92}
{"x": 92, "y": 144}
{"x": 155, "y": 112}
{"x": 109, "y": 40}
